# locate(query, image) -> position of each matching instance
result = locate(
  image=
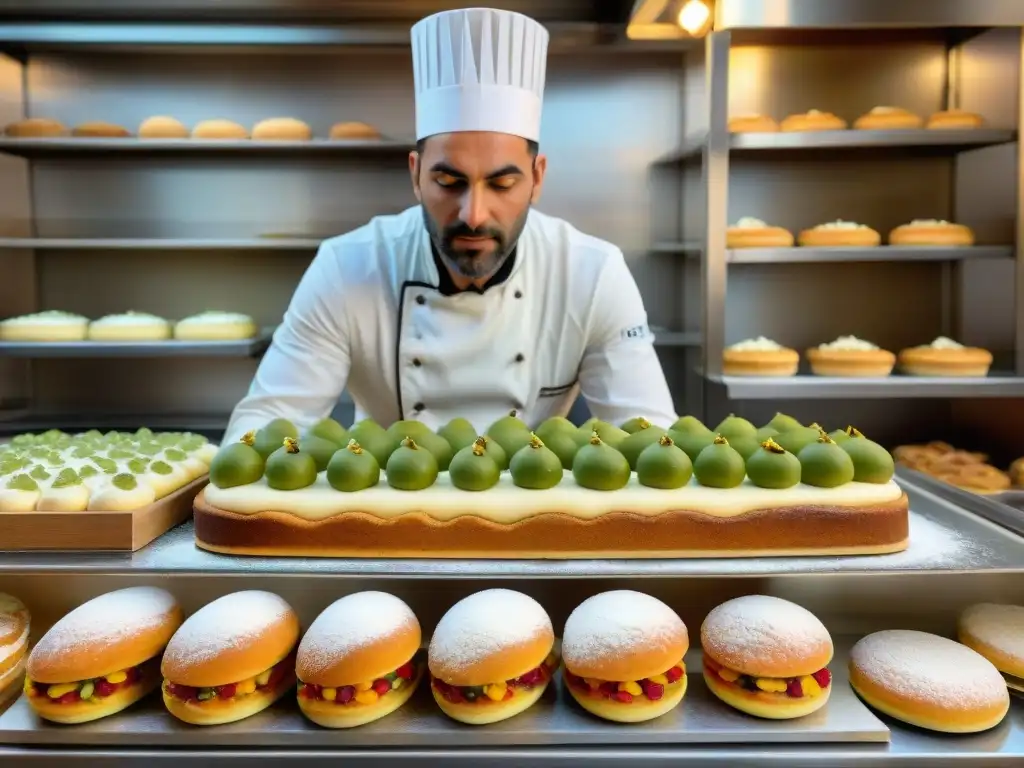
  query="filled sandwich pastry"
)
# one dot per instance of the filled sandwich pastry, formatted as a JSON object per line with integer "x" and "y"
{"x": 14, "y": 626}
{"x": 623, "y": 654}
{"x": 491, "y": 656}
{"x": 359, "y": 660}
{"x": 103, "y": 656}
{"x": 231, "y": 659}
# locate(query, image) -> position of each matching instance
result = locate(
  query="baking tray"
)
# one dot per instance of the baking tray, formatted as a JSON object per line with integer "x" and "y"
{"x": 555, "y": 720}
{"x": 1005, "y": 509}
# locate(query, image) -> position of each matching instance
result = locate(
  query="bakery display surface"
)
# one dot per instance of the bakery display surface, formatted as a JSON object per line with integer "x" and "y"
{"x": 945, "y": 357}
{"x": 839, "y": 233}
{"x": 932, "y": 232}
{"x": 759, "y": 357}
{"x": 849, "y": 356}
{"x": 749, "y": 232}
{"x": 813, "y": 120}
{"x": 591, "y": 491}
{"x": 888, "y": 118}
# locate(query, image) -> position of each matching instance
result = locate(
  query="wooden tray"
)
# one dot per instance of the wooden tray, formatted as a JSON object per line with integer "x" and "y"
{"x": 97, "y": 531}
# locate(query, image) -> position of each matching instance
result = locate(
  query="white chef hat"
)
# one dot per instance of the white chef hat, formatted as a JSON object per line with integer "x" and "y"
{"x": 479, "y": 69}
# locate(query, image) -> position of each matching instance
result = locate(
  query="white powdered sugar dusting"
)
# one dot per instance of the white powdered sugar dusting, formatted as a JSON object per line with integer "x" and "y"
{"x": 484, "y": 624}
{"x": 226, "y": 623}
{"x": 352, "y": 622}
{"x": 1000, "y": 626}
{"x": 921, "y": 666}
{"x": 765, "y": 626}
{"x": 107, "y": 619}
{"x": 614, "y": 623}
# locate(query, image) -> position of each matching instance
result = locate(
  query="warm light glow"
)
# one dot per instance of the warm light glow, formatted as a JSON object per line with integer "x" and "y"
{"x": 694, "y": 17}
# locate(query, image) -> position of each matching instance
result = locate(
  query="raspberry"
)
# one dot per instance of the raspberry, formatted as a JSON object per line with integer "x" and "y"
{"x": 133, "y": 675}
{"x": 346, "y": 694}
{"x": 609, "y": 689}
{"x": 307, "y": 691}
{"x": 794, "y": 689}
{"x": 277, "y": 675}
{"x": 227, "y": 691}
{"x": 674, "y": 674}
{"x": 407, "y": 671}
{"x": 653, "y": 691}
{"x": 381, "y": 686}
{"x": 508, "y": 694}
{"x": 623, "y": 698}
{"x": 822, "y": 677}
{"x": 183, "y": 691}
{"x": 69, "y": 698}
{"x": 533, "y": 677}
{"x": 103, "y": 688}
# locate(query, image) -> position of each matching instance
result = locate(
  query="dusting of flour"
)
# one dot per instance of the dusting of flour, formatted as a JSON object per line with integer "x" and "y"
{"x": 763, "y": 626}
{"x": 1000, "y": 626}
{"x": 484, "y": 624}
{"x": 352, "y": 622}
{"x": 612, "y": 624}
{"x": 924, "y": 667}
{"x": 228, "y": 622}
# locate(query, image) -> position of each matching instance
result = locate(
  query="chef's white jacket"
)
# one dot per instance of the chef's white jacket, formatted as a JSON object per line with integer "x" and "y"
{"x": 368, "y": 314}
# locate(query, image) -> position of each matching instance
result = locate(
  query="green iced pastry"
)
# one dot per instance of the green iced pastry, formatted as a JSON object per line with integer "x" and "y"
{"x": 840, "y": 435}
{"x": 765, "y": 432}
{"x": 143, "y": 433}
{"x": 632, "y": 425}
{"x": 554, "y": 424}
{"x": 586, "y": 429}
{"x": 39, "y": 472}
{"x": 330, "y": 430}
{"x": 824, "y": 464}
{"x": 23, "y": 441}
{"x": 493, "y": 449}
{"x": 82, "y": 452}
{"x": 535, "y": 466}
{"x": 438, "y": 446}
{"x": 772, "y": 466}
{"x": 644, "y": 435}
{"x": 782, "y": 423}
{"x": 563, "y": 440}
{"x": 352, "y": 469}
{"x": 237, "y": 464}
{"x": 22, "y": 482}
{"x": 138, "y": 465}
{"x": 125, "y": 481}
{"x": 734, "y": 427}
{"x": 719, "y": 465}
{"x": 663, "y": 464}
{"x": 471, "y": 469}
{"x": 375, "y": 439}
{"x": 459, "y": 433}
{"x": 690, "y": 424}
{"x": 510, "y": 432}
{"x": 410, "y": 467}
{"x": 692, "y": 443}
{"x": 289, "y": 468}
{"x": 193, "y": 443}
{"x": 319, "y": 448}
{"x": 610, "y": 434}
{"x": 54, "y": 459}
{"x": 66, "y": 478}
{"x": 119, "y": 454}
{"x": 871, "y": 462}
{"x": 87, "y": 470}
{"x": 152, "y": 449}
{"x": 745, "y": 445}
{"x": 600, "y": 467}
{"x": 795, "y": 440}
{"x": 271, "y": 437}
{"x": 92, "y": 434}
{"x": 409, "y": 428}
{"x": 175, "y": 454}
{"x": 39, "y": 452}
{"x": 159, "y": 467}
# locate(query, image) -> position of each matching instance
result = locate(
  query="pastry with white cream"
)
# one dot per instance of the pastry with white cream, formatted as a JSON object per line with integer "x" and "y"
{"x": 888, "y": 119}
{"x": 749, "y": 232}
{"x": 759, "y": 357}
{"x": 52, "y": 325}
{"x": 130, "y": 326}
{"x": 945, "y": 357}
{"x": 65, "y": 493}
{"x": 839, "y": 233}
{"x": 813, "y": 120}
{"x": 931, "y": 232}
{"x": 850, "y": 356}
{"x": 215, "y": 326}
{"x": 123, "y": 492}
{"x": 19, "y": 493}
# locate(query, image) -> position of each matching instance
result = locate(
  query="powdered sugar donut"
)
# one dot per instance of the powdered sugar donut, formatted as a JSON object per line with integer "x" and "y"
{"x": 130, "y": 326}
{"x": 997, "y": 633}
{"x": 928, "y": 681}
{"x": 767, "y": 657}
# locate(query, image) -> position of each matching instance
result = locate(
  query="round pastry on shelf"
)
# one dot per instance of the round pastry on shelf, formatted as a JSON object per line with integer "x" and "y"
{"x": 130, "y": 326}
{"x": 1016, "y": 472}
{"x": 36, "y": 128}
{"x": 997, "y": 633}
{"x": 353, "y": 130}
{"x": 98, "y": 129}
{"x": 928, "y": 681}
{"x": 759, "y": 357}
{"x": 52, "y": 325}
{"x": 888, "y": 119}
{"x": 945, "y": 357}
{"x": 752, "y": 124}
{"x": 749, "y": 232}
{"x": 219, "y": 129}
{"x": 850, "y": 356}
{"x": 215, "y": 326}
{"x": 839, "y": 233}
{"x": 931, "y": 232}
{"x": 162, "y": 127}
{"x": 14, "y": 626}
{"x": 282, "y": 129}
{"x": 955, "y": 119}
{"x": 813, "y": 120}
{"x": 767, "y": 657}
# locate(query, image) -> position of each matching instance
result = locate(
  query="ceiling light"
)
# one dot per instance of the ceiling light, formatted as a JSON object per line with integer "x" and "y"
{"x": 695, "y": 17}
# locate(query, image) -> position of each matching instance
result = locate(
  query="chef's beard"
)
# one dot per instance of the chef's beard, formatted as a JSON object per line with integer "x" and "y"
{"x": 473, "y": 263}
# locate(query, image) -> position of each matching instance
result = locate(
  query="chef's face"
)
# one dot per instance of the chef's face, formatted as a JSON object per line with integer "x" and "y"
{"x": 476, "y": 189}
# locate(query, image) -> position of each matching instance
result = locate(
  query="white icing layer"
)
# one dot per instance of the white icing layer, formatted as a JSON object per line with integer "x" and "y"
{"x": 840, "y": 224}
{"x": 929, "y": 223}
{"x": 130, "y": 318}
{"x": 507, "y": 503}
{"x": 942, "y": 342}
{"x": 216, "y": 317}
{"x": 760, "y": 344}
{"x": 885, "y": 110}
{"x": 71, "y": 498}
{"x": 50, "y": 317}
{"x": 749, "y": 222}
{"x": 849, "y": 343}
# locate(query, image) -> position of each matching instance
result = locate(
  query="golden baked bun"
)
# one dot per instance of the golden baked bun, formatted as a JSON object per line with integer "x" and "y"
{"x": 162, "y": 127}
{"x": 353, "y": 130}
{"x": 839, "y": 234}
{"x": 752, "y": 124}
{"x": 945, "y": 357}
{"x": 36, "y": 127}
{"x": 98, "y": 129}
{"x": 955, "y": 119}
{"x": 282, "y": 129}
{"x": 813, "y": 120}
{"x": 749, "y": 232}
{"x": 931, "y": 232}
{"x": 109, "y": 633}
{"x": 759, "y": 357}
{"x": 850, "y": 356}
{"x": 329, "y": 714}
{"x": 14, "y": 626}
{"x": 88, "y": 711}
{"x": 1016, "y": 472}
{"x": 888, "y": 119}
{"x": 928, "y": 681}
{"x": 997, "y": 633}
{"x": 219, "y": 129}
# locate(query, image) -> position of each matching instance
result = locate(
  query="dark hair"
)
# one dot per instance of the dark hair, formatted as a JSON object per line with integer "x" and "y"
{"x": 531, "y": 146}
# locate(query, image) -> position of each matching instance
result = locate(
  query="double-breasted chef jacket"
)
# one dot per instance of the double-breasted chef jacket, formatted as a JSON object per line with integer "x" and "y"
{"x": 372, "y": 314}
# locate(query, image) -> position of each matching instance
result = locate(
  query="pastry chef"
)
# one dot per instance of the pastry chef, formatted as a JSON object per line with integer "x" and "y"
{"x": 472, "y": 303}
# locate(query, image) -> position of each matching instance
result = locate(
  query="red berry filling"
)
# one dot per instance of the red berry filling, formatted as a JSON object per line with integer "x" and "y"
{"x": 347, "y": 693}
{"x": 101, "y": 686}
{"x": 794, "y": 688}
{"x": 652, "y": 691}
{"x": 477, "y": 693}
{"x": 229, "y": 691}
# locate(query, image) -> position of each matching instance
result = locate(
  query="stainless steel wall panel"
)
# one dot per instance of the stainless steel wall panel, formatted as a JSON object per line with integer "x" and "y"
{"x": 836, "y": 14}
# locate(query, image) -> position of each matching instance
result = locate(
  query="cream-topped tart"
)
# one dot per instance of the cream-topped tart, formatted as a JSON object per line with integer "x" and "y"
{"x": 850, "y": 356}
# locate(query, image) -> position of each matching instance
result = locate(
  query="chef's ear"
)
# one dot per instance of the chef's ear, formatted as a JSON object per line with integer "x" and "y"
{"x": 540, "y": 168}
{"x": 414, "y": 172}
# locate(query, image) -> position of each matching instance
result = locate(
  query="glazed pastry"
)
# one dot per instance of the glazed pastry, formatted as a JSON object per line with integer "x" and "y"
{"x": 215, "y": 326}
{"x": 219, "y": 129}
{"x": 945, "y": 357}
{"x": 1017, "y": 472}
{"x": 162, "y": 127}
{"x": 353, "y": 130}
{"x": 36, "y": 127}
{"x": 45, "y": 326}
{"x": 100, "y": 130}
{"x": 955, "y": 119}
{"x": 752, "y": 124}
{"x": 813, "y": 120}
{"x": 759, "y": 357}
{"x": 749, "y": 232}
{"x": 850, "y": 356}
{"x": 966, "y": 470}
{"x": 997, "y": 633}
{"x": 282, "y": 129}
{"x": 887, "y": 119}
{"x": 130, "y": 326}
{"x": 931, "y": 232}
{"x": 839, "y": 233}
